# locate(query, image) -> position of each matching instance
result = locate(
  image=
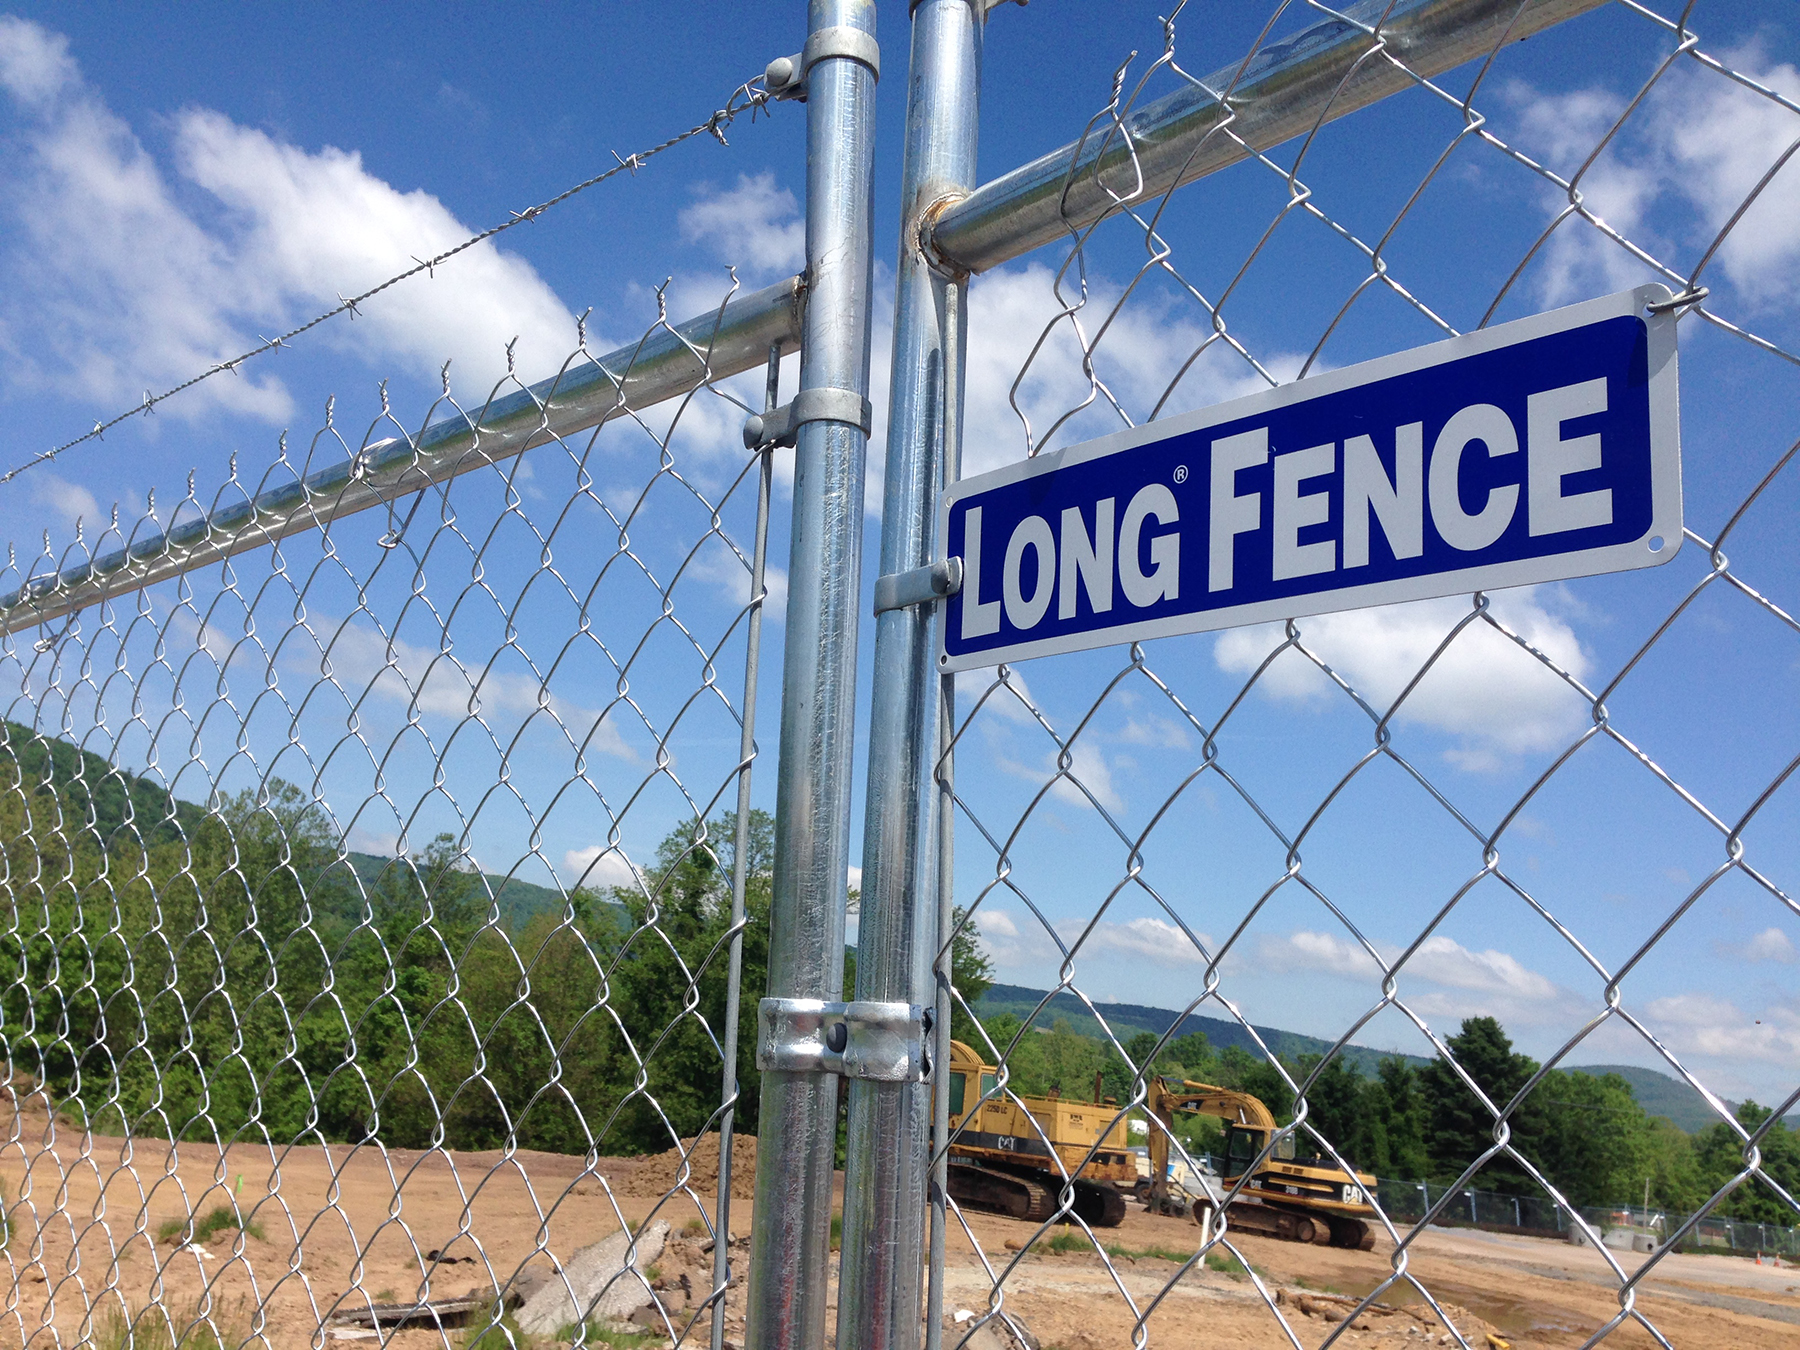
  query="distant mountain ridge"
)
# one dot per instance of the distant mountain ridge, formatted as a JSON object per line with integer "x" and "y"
{"x": 519, "y": 901}
{"x": 1126, "y": 1019}
{"x": 1660, "y": 1094}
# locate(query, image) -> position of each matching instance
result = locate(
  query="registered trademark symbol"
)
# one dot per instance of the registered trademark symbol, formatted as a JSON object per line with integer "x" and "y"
{"x": 1181, "y": 473}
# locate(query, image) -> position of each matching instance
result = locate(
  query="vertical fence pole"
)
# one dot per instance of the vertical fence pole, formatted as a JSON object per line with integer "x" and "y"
{"x": 889, "y": 1127}
{"x": 740, "y": 863}
{"x": 797, "y": 1133}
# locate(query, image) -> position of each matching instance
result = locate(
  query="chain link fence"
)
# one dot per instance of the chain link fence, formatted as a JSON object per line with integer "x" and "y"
{"x": 1409, "y": 815}
{"x": 383, "y": 872}
{"x": 379, "y": 862}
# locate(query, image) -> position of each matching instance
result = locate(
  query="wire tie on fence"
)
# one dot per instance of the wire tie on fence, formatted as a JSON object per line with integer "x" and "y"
{"x": 428, "y": 265}
{"x": 1683, "y": 301}
{"x": 349, "y": 305}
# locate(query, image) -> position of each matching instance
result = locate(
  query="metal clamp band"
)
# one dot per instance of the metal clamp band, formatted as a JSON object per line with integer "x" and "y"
{"x": 781, "y": 426}
{"x": 865, "y": 1039}
{"x": 785, "y": 76}
{"x": 920, "y": 586}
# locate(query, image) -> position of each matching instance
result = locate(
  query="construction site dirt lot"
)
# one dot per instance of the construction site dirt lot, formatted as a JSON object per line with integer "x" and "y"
{"x": 342, "y": 1228}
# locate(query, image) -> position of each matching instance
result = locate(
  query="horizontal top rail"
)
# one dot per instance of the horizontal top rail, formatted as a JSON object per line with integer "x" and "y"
{"x": 1281, "y": 91}
{"x": 664, "y": 365}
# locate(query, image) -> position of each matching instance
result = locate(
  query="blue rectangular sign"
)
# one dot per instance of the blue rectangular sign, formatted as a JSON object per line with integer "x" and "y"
{"x": 1533, "y": 451}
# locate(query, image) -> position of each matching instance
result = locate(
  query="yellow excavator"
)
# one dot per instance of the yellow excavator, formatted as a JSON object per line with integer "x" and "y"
{"x": 1300, "y": 1200}
{"x": 1013, "y": 1152}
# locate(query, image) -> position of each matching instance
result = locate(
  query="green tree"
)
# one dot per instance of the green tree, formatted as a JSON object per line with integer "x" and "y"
{"x": 1594, "y": 1144}
{"x": 668, "y": 978}
{"x": 971, "y": 971}
{"x": 1720, "y": 1156}
{"x": 1460, "y": 1127}
{"x": 1245, "y": 1072}
{"x": 1334, "y": 1107}
{"x": 1392, "y": 1127}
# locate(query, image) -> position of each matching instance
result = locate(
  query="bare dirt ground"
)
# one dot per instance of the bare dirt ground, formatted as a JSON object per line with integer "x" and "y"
{"x": 342, "y": 1229}
{"x": 1528, "y": 1292}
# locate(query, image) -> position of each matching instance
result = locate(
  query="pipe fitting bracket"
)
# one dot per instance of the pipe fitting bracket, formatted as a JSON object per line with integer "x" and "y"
{"x": 786, "y": 76}
{"x": 920, "y": 586}
{"x": 782, "y": 426}
{"x": 885, "y": 1042}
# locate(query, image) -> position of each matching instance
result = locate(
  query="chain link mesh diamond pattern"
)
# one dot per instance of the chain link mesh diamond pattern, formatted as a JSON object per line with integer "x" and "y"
{"x": 1428, "y": 805}
{"x": 368, "y": 892}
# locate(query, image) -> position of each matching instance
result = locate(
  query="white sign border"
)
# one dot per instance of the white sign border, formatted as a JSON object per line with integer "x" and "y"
{"x": 1665, "y": 466}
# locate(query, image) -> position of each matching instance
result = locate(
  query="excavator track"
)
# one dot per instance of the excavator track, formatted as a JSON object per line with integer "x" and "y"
{"x": 1252, "y": 1216}
{"x": 1027, "y": 1197}
{"x": 1001, "y": 1192}
{"x": 1099, "y": 1205}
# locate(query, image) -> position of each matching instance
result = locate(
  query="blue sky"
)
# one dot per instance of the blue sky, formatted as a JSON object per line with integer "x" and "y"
{"x": 180, "y": 188}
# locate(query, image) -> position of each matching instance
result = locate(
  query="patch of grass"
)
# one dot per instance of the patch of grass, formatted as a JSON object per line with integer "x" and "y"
{"x": 119, "y": 1329}
{"x": 1067, "y": 1241}
{"x": 837, "y": 1232}
{"x": 652, "y": 1272}
{"x": 1153, "y": 1253}
{"x": 385, "y": 1296}
{"x": 693, "y": 1226}
{"x": 593, "y": 1335}
{"x": 481, "y": 1330}
{"x": 217, "y": 1221}
{"x": 1225, "y": 1265}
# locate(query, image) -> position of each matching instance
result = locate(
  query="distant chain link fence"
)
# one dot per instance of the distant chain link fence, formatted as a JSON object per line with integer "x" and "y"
{"x": 377, "y": 846}
{"x": 1284, "y": 777}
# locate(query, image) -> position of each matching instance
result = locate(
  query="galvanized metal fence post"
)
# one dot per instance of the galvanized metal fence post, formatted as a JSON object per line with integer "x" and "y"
{"x": 888, "y": 1145}
{"x": 791, "y": 1238}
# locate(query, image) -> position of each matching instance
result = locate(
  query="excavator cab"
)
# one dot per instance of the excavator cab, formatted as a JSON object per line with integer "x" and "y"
{"x": 1244, "y": 1143}
{"x": 960, "y": 1101}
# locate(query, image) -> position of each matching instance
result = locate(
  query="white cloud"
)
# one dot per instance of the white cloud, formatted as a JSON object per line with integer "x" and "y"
{"x": 1308, "y": 950}
{"x": 756, "y": 225}
{"x": 309, "y": 227}
{"x": 1015, "y": 942}
{"x": 1159, "y": 733}
{"x": 1019, "y": 941}
{"x": 359, "y": 658}
{"x": 1769, "y": 945}
{"x": 1007, "y": 702}
{"x": 1562, "y": 130}
{"x": 1498, "y": 699}
{"x": 1707, "y": 1025}
{"x": 1141, "y": 351}
{"x": 379, "y": 842}
{"x": 1722, "y": 139}
{"x": 721, "y": 569}
{"x": 1444, "y": 980}
{"x": 67, "y": 503}
{"x": 1145, "y": 938}
{"x": 1683, "y": 164}
{"x": 1087, "y": 769}
{"x": 35, "y": 64}
{"x": 1445, "y": 961}
{"x": 599, "y": 868}
{"x": 116, "y": 286}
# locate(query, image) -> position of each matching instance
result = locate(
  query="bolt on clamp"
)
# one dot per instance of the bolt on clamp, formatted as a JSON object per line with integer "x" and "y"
{"x": 885, "y": 1042}
{"x": 786, "y": 75}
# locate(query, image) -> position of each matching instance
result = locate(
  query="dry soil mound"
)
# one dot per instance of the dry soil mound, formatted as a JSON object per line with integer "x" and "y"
{"x": 660, "y": 1173}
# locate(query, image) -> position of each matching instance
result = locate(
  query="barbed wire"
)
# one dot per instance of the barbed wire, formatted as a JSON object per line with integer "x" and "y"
{"x": 749, "y": 96}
